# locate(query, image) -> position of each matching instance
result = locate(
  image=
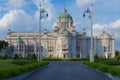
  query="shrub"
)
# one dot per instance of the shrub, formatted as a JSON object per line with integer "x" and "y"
{"x": 118, "y": 57}
{"x": 108, "y": 61}
{"x": 17, "y": 70}
{"x": 34, "y": 56}
{"x": 104, "y": 68}
{"x": 5, "y": 57}
{"x": 112, "y": 62}
{"x": 22, "y": 62}
{"x": 115, "y": 71}
{"x": 96, "y": 56}
{"x": 16, "y": 56}
{"x": 52, "y": 59}
{"x": 65, "y": 59}
{"x": 117, "y": 53}
{"x": 79, "y": 59}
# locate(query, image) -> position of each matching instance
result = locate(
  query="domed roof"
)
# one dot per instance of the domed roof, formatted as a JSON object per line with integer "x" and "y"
{"x": 65, "y": 15}
{"x": 19, "y": 41}
{"x": 104, "y": 34}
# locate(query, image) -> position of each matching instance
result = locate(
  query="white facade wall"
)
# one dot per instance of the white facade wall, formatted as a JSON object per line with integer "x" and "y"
{"x": 63, "y": 42}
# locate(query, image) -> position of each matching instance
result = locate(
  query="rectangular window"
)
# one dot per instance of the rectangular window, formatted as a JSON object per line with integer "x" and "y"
{"x": 105, "y": 49}
{"x": 64, "y": 24}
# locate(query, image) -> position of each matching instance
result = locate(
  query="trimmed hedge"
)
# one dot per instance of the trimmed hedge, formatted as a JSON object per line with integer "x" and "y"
{"x": 104, "y": 68}
{"x": 109, "y": 62}
{"x": 64, "y": 59}
{"x": 22, "y": 62}
{"x": 15, "y": 71}
{"x": 114, "y": 71}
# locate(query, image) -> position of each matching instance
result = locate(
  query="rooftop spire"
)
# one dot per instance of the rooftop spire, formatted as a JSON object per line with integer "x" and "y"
{"x": 65, "y": 10}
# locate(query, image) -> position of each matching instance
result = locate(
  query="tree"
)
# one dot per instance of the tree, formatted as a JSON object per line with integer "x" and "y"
{"x": 117, "y": 53}
{"x": 16, "y": 56}
{"x": 5, "y": 57}
{"x": 3, "y": 44}
{"x": 118, "y": 57}
{"x": 96, "y": 56}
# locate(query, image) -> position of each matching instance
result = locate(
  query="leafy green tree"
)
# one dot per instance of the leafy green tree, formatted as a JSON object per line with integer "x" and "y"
{"x": 117, "y": 53}
{"x": 16, "y": 56}
{"x": 3, "y": 44}
{"x": 118, "y": 57}
{"x": 34, "y": 56}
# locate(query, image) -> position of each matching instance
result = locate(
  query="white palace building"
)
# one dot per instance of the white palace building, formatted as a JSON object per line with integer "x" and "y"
{"x": 63, "y": 42}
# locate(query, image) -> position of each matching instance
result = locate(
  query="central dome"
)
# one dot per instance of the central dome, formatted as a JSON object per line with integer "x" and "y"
{"x": 65, "y": 15}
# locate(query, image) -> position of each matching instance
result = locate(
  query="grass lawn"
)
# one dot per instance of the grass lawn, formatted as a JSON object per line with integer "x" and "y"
{"x": 11, "y": 68}
{"x": 110, "y": 66}
{"x": 7, "y": 63}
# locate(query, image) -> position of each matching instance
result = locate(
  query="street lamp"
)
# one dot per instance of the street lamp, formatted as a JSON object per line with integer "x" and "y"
{"x": 90, "y": 11}
{"x": 41, "y": 11}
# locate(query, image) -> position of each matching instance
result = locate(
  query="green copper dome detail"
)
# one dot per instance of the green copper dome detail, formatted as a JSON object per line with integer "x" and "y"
{"x": 64, "y": 32}
{"x": 65, "y": 15}
{"x": 105, "y": 34}
{"x": 20, "y": 41}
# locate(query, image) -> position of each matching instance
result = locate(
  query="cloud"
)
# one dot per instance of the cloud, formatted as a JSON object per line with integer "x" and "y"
{"x": 7, "y": 5}
{"x": 81, "y": 3}
{"x": 115, "y": 25}
{"x": 16, "y": 4}
{"x": 16, "y": 20}
{"x": 49, "y": 7}
{"x": 112, "y": 28}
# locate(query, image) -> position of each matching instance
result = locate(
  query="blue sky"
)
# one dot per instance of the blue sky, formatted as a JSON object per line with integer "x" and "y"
{"x": 22, "y": 15}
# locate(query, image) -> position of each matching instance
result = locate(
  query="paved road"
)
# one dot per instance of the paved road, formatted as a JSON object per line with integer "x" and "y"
{"x": 66, "y": 71}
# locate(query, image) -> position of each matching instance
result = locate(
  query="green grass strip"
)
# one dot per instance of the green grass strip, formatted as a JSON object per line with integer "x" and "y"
{"x": 104, "y": 68}
{"x": 20, "y": 69}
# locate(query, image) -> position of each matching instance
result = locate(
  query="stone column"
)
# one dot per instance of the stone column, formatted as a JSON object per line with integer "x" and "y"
{"x": 113, "y": 48}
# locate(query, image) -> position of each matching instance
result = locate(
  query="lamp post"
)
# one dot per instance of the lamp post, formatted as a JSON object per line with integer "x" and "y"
{"x": 41, "y": 11}
{"x": 90, "y": 11}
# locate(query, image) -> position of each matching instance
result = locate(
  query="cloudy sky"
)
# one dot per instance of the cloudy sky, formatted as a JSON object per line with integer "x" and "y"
{"x": 22, "y": 15}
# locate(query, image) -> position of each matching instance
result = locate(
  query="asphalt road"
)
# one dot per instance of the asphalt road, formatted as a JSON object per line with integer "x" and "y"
{"x": 66, "y": 71}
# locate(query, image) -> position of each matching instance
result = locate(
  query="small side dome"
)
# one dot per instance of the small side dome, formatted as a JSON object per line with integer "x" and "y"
{"x": 19, "y": 41}
{"x": 65, "y": 15}
{"x": 104, "y": 34}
